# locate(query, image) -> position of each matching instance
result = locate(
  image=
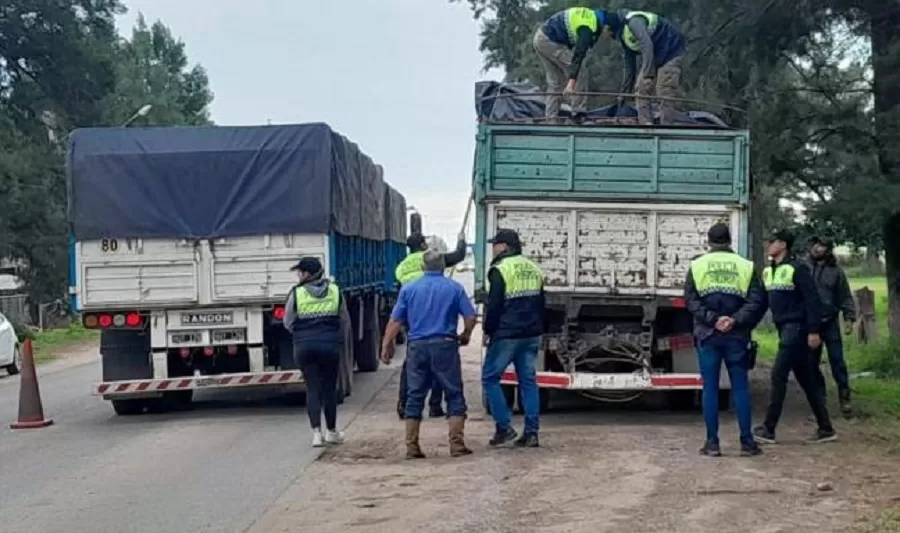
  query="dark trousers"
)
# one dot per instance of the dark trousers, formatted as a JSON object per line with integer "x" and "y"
{"x": 832, "y": 341}
{"x": 793, "y": 356}
{"x": 434, "y": 360}
{"x": 320, "y": 364}
{"x": 434, "y": 400}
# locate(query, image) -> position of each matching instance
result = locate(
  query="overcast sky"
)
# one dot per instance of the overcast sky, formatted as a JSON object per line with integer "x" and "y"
{"x": 363, "y": 66}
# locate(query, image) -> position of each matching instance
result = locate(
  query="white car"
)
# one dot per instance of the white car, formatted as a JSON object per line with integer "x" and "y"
{"x": 9, "y": 347}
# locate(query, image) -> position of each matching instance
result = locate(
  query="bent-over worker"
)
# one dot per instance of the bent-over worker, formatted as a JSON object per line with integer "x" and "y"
{"x": 409, "y": 270}
{"x": 727, "y": 301}
{"x": 797, "y": 313}
{"x": 316, "y": 315}
{"x": 513, "y": 325}
{"x": 430, "y": 308}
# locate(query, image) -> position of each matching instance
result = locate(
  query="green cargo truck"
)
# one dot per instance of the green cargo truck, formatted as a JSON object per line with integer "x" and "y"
{"x": 613, "y": 215}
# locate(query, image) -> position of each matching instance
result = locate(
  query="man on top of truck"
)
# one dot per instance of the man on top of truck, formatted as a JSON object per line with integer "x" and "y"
{"x": 409, "y": 270}
{"x": 513, "y": 325}
{"x": 727, "y": 300}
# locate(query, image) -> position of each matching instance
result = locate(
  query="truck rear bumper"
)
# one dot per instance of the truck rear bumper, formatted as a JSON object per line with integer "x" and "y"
{"x": 625, "y": 382}
{"x": 156, "y": 387}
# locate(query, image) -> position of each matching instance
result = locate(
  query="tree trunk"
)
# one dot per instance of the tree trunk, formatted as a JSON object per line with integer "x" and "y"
{"x": 892, "y": 271}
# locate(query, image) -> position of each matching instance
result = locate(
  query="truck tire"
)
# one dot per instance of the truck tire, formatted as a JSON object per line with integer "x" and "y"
{"x": 367, "y": 357}
{"x": 14, "y": 368}
{"x": 129, "y": 407}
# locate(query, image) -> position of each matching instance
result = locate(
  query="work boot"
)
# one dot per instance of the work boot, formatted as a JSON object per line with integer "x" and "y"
{"x": 503, "y": 437}
{"x": 750, "y": 449}
{"x": 711, "y": 449}
{"x": 413, "y": 451}
{"x": 844, "y": 401}
{"x": 457, "y": 441}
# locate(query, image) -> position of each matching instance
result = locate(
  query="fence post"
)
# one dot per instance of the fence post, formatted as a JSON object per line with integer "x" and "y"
{"x": 868, "y": 327}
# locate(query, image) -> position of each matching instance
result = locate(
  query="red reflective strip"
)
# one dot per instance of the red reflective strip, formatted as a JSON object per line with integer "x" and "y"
{"x": 542, "y": 379}
{"x": 681, "y": 342}
{"x": 102, "y": 388}
{"x": 163, "y": 385}
{"x": 679, "y": 303}
{"x": 143, "y": 386}
{"x": 184, "y": 383}
{"x": 676, "y": 381}
{"x": 266, "y": 378}
{"x": 225, "y": 381}
{"x": 123, "y": 387}
{"x": 286, "y": 377}
{"x": 246, "y": 379}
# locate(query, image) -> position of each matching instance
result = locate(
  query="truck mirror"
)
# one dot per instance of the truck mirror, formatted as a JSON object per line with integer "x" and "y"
{"x": 415, "y": 223}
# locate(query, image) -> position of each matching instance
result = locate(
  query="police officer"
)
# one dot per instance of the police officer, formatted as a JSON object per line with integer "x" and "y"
{"x": 727, "y": 300}
{"x": 314, "y": 315}
{"x": 513, "y": 325}
{"x": 796, "y": 311}
{"x": 409, "y": 270}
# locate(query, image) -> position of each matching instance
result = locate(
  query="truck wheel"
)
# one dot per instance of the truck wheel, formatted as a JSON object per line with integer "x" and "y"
{"x": 367, "y": 357}
{"x": 13, "y": 368}
{"x": 129, "y": 407}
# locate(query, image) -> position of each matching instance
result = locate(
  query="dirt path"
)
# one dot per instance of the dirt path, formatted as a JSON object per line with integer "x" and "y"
{"x": 612, "y": 469}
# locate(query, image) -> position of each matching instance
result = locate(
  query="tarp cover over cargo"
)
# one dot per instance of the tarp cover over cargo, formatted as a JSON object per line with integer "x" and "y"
{"x": 213, "y": 182}
{"x": 517, "y": 102}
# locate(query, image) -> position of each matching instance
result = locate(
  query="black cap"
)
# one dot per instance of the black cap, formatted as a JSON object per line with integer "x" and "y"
{"x": 719, "y": 233}
{"x": 308, "y": 264}
{"x": 824, "y": 241}
{"x": 506, "y": 236}
{"x": 415, "y": 241}
{"x": 784, "y": 236}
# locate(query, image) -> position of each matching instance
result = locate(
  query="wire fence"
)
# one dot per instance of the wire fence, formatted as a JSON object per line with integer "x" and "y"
{"x": 16, "y": 309}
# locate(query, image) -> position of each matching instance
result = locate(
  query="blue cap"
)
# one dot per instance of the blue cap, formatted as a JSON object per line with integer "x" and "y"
{"x": 601, "y": 17}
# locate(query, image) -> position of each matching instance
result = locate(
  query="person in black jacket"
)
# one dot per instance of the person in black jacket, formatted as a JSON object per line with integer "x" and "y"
{"x": 834, "y": 291}
{"x": 727, "y": 300}
{"x": 797, "y": 313}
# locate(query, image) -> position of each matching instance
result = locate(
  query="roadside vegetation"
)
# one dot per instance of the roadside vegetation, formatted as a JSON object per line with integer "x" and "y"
{"x": 50, "y": 343}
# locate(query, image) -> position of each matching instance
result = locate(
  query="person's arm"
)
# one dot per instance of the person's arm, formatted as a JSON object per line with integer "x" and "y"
{"x": 455, "y": 257}
{"x": 583, "y": 43}
{"x": 695, "y": 305}
{"x": 845, "y": 297}
{"x": 754, "y": 308}
{"x": 467, "y": 311}
{"x": 394, "y": 325}
{"x": 494, "y": 305}
{"x": 290, "y": 312}
{"x": 345, "y": 319}
{"x": 629, "y": 73}
{"x": 806, "y": 285}
{"x": 641, "y": 32}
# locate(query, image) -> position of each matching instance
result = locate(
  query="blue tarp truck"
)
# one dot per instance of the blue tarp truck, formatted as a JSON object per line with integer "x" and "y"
{"x": 613, "y": 213}
{"x": 182, "y": 241}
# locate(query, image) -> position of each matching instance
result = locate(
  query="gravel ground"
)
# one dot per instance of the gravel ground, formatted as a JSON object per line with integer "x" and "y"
{"x": 622, "y": 469}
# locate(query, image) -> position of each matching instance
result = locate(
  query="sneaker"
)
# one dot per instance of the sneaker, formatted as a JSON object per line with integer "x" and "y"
{"x": 711, "y": 449}
{"x": 334, "y": 437}
{"x": 750, "y": 449}
{"x": 846, "y": 406}
{"x": 763, "y": 435}
{"x": 436, "y": 412}
{"x": 528, "y": 440}
{"x": 317, "y": 439}
{"x": 822, "y": 436}
{"x": 502, "y": 438}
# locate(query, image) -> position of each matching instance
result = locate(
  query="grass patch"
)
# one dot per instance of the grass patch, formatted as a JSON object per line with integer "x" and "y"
{"x": 885, "y": 522}
{"x": 48, "y": 343}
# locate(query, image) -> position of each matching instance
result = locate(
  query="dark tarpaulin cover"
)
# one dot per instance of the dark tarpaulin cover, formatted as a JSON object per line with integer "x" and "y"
{"x": 511, "y": 102}
{"x": 395, "y": 214}
{"x": 210, "y": 182}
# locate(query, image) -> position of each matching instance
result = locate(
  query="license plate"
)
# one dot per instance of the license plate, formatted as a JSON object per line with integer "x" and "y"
{"x": 205, "y": 382}
{"x": 190, "y": 319}
{"x": 185, "y": 338}
{"x": 236, "y": 336}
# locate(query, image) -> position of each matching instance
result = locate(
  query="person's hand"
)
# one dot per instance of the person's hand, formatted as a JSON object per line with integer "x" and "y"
{"x": 644, "y": 86}
{"x": 387, "y": 353}
{"x": 570, "y": 88}
{"x": 485, "y": 340}
{"x": 464, "y": 338}
{"x": 848, "y": 327}
{"x": 813, "y": 340}
{"x": 724, "y": 324}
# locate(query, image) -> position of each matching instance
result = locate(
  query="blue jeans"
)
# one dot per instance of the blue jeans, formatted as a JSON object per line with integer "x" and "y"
{"x": 434, "y": 360}
{"x": 522, "y": 353}
{"x": 733, "y": 352}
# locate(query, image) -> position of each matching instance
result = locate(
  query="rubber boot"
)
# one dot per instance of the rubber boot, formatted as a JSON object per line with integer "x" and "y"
{"x": 413, "y": 451}
{"x": 457, "y": 441}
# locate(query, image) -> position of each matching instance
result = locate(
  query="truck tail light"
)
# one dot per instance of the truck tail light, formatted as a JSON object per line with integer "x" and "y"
{"x": 125, "y": 320}
{"x": 133, "y": 320}
{"x": 105, "y": 321}
{"x": 679, "y": 302}
{"x": 232, "y": 349}
{"x": 184, "y": 353}
{"x": 278, "y": 313}
{"x": 209, "y": 351}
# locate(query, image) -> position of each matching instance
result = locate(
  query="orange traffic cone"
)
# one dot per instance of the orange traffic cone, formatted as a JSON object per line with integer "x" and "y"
{"x": 31, "y": 411}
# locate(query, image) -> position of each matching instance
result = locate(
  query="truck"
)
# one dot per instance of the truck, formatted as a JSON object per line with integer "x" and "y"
{"x": 612, "y": 213}
{"x": 182, "y": 241}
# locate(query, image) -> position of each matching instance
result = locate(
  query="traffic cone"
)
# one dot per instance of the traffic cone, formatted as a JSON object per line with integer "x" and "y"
{"x": 31, "y": 411}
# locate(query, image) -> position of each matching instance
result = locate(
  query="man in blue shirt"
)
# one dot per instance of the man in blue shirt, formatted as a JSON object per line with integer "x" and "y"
{"x": 430, "y": 309}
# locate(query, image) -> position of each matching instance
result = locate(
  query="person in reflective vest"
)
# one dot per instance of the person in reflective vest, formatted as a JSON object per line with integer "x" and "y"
{"x": 316, "y": 315}
{"x": 797, "y": 313}
{"x": 661, "y": 48}
{"x": 727, "y": 301}
{"x": 513, "y": 325}
{"x": 561, "y": 44}
{"x": 410, "y": 269}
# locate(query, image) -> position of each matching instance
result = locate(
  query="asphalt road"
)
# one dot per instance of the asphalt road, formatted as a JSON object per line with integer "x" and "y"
{"x": 216, "y": 468}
